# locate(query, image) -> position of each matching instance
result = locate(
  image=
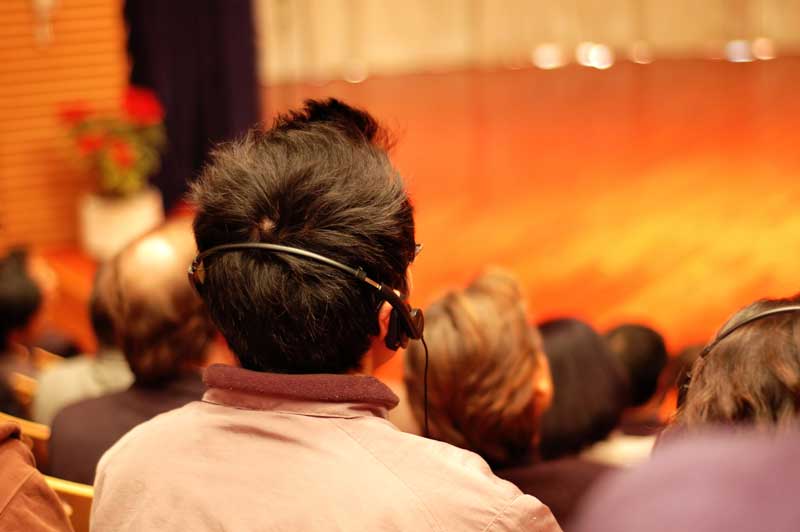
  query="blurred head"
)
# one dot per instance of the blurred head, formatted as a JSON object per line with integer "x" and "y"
{"x": 642, "y": 355}
{"x": 489, "y": 382}
{"x": 751, "y": 376}
{"x": 320, "y": 179}
{"x": 20, "y": 298}
{"x": 589, "y": 384}
{"x": 160, "y": 323}
{"x": 99, "y": 309}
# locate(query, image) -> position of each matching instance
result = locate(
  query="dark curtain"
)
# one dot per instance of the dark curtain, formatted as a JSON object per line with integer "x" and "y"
{"x": 199, "y": 57}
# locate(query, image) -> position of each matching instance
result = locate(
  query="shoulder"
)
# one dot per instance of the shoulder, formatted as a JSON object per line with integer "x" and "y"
{"x": 474, "y": 498}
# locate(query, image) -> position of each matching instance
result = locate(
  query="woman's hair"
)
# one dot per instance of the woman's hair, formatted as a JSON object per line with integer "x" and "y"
{"x": 481, "y": 383}
{"x": 589, "y": 385}
{"x": 751, "y": 375}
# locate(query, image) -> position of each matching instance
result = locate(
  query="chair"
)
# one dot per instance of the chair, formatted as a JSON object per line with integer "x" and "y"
{"x": 35, "y": 435}
{"x": 77, "y": 501}
{"x": 24, "y": 388}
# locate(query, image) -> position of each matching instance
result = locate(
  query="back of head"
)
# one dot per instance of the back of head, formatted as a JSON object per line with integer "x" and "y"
{"x": 752, "y": 375}
{"x": 20, "y": 297}
{"x": 485, "y": 359}
{"x": 100, "y": 315}
{"x": 320, "y": 179}
{"x": 160, "y": 323}
{"x": 642, "y": 354}
{"x": 590, "y": 388}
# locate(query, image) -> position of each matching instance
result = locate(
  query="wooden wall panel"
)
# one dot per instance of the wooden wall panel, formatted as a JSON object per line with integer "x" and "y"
{"x": 40, "y": 182}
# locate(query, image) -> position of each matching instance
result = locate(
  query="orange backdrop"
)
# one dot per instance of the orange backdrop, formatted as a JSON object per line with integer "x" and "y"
{"x": 665, "y": 193}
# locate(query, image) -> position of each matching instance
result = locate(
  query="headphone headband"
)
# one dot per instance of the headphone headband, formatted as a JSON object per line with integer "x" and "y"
{"x": 197, "y": 276}
{"x": 756, "y": 317}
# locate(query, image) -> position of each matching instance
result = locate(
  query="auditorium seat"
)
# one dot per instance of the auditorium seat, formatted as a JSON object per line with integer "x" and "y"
{"x": 77, "y": 501}
{"x": 34, "y": 434}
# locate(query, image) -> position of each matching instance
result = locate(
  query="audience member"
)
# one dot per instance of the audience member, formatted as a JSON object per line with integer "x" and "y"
{"x": 750, "y": 374}
{"x": 86, "y": 376}
{"x": 298, "y": 440}
{"x": 20, "y": 306}
{"x": 642, "y": 354}
{"x": 26, "y": 501}
{"x": 590, "y": 388}
{"x": 714, "y": 482}
{"x": 489, "y": 385}
{"x": 163, "y": 329}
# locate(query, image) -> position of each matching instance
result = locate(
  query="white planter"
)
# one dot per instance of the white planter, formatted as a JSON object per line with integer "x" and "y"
{"x": 108, "y": 224}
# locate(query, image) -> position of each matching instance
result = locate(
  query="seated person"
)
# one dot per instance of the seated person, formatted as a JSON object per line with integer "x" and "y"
{"x": 85, "y": 376}
{"x": 750, "y": 374}
{"x": 20, "y": 320}
{"x": 297, "y": 439}
{"x": 642, "y": 354}
{"x": 590, "y": 389}
{"x": 716, "y": 482}
{"x": 164, "y": 331}
{"x": 26, "y": 501}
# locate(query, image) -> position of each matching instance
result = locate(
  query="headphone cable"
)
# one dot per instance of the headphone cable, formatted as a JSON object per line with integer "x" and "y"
{"x": 425, "y": 387}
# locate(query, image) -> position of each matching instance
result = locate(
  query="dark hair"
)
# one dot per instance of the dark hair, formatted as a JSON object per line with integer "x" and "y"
{"x": 590, "y": 389}
{"x": 160, "y": 322}
{"x": 486, "y": 355}
{"x": 752, "y": 376}
{"x": 20, "y": 296}
{"x": 319, "y": 179}
{"x": 642, "y": 353}
{"x": 99, "y": 312}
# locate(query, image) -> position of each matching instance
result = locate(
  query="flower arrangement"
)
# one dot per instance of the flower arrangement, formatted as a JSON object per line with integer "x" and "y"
{"x": 124, "y": 150}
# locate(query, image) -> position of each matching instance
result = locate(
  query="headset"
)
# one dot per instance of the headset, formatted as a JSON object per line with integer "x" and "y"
{"x": 727, "y": 332}
{"x": 405, "y": 322}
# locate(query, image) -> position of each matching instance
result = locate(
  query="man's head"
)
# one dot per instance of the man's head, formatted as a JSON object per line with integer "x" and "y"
{"x": 642, "y": 353}
{"x": 20, "y": 296}
{"x": 491, "y": 382}
{"x": 160, "y": 323}
{"x": 99, "y": 310}
{"x": 320, "y": 180}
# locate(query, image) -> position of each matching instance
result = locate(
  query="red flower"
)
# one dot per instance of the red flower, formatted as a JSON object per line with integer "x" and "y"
{"x": 142, "y": 107}
{"x": 90, "y": 143}
{"x": 122, "y": 153}
{"x": 74, "y": 113}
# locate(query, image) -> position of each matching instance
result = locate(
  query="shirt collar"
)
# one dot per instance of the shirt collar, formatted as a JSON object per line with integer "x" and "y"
{"x": 315, "y": 394}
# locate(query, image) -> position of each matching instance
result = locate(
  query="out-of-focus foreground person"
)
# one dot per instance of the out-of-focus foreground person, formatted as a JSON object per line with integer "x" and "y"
{"x": 86, "y": 376}
{"x": 716, "y": 482}
{"x": 26, "y": 502}
{"x": 165, "y": 333}
{"x": 298, "y": 439}
{"x": 750, "y": 374}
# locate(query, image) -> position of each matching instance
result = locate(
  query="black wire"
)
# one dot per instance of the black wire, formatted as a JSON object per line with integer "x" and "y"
{"x": 425, "y": 387}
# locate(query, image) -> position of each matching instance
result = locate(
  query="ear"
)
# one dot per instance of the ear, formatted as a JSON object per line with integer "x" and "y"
{"x": 542, "y": 386}
{"x": 378, "y": 354}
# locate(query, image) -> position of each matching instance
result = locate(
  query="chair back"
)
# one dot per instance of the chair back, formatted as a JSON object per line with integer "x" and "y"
{"x": 34, "y": 434}
{"x": 77, "y": 501}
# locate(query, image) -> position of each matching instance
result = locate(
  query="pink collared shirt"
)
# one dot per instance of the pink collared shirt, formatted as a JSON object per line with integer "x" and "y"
{"x": 298, "y": 453}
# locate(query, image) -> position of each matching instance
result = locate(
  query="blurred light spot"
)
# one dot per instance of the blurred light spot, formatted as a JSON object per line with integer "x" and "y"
{"x": 601, "y": 56}
{"x": 641, "y": 53}
{"x": 548, "y": 56}
{"x": 355, "y": 72}
{"x": 738, "y": 51}
{"x": 764, "y": 49}
{"x": 582, "y": 53}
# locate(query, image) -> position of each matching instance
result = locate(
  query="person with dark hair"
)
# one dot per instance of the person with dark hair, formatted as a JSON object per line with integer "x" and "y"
{"x": 165, "y": 333}
{"x": 311, "y": 298}
{"x": 26, "y": 501}
{"x": 590, "y": 388}
{"x": 642, "y": 353}
{"x": 750, "y": 374}
{"x": 20, "y": 306}
{"x": 85, "y": 376}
